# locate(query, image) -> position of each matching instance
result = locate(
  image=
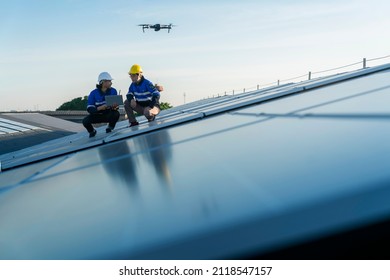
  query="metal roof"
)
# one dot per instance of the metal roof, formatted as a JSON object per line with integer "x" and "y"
{"x": 218, "y": 178}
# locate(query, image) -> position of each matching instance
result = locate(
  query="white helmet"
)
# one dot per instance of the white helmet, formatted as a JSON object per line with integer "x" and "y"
{"x": 104, "y": 76}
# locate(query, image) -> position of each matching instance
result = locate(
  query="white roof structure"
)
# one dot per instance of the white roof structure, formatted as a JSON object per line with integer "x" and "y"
{"x": 26, "y": 129}
{"x": 231, "y": 177}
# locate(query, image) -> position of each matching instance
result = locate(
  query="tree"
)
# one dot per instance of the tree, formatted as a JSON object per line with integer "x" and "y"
{"x": 80, "y": 104}
{"x": 165, "y": 105}
{"x": 76, "y": 104}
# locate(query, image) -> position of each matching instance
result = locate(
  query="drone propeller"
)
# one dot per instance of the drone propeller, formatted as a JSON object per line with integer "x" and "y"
{"x": 144, "y": 25}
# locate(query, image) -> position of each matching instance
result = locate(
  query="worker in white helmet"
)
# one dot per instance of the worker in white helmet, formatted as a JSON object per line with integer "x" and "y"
{"x": 98, "y": 111}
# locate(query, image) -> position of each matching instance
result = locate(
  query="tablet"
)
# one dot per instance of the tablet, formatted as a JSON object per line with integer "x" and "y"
{"x": 114, "y": 99}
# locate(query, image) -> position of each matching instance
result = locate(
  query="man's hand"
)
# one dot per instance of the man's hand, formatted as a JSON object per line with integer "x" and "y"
{"x": 159, "y": 87}
{"x": 103, "y": 107}
{"x": 133, "y": 103}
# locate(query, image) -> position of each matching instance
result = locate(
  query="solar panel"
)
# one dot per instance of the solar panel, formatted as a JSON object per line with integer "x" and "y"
{"x": 181, "y": 115}
{"x": 239, "y": 177}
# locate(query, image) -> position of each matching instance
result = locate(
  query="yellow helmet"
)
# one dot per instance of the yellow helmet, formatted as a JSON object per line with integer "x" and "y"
{"x": 135, "y": 69}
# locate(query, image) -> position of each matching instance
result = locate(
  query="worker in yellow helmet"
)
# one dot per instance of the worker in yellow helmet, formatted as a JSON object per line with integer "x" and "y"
{"x": 143, "y": 97}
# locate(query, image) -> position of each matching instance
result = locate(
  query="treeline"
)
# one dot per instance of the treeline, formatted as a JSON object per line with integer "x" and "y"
{"x": 80, "y": 104}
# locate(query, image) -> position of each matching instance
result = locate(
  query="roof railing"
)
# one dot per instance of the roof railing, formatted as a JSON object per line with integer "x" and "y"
{"x": 309, "y": 76}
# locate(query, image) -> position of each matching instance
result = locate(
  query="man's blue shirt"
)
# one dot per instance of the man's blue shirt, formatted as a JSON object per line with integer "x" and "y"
{"x": 97, "y": 98}
{"x": 144, "y": 92}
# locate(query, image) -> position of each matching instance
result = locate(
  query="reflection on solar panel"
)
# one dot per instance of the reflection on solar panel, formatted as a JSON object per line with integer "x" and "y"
{"x": 234, "y": 176}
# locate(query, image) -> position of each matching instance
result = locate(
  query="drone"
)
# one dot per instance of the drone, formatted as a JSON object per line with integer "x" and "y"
{"x": 157, "y": 26}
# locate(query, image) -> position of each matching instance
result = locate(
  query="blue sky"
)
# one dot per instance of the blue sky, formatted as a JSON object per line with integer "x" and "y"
{"x": 53, "y": 51}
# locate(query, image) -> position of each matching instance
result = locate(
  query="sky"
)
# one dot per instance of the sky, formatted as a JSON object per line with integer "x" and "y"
{"x": 53, "y": 51}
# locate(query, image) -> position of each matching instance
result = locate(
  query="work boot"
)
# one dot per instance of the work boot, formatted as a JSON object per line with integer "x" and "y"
{"x": 152, "y": 119}
{"x": 133, "y": 124}
{"x": 109, "y": 129}
{"x": 92, "y": 134}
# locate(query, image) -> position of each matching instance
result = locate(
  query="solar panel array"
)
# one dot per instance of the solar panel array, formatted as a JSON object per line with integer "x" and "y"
{"x": 174, "y": 116}
{"x": 221, "y": 178}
